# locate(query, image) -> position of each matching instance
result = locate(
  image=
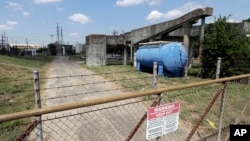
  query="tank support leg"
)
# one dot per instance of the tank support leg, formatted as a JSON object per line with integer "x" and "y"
{"x": 160, "y": 70}
{"x": 138, "y": 67}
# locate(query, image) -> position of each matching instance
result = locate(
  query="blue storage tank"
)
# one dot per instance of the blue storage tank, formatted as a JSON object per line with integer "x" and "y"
{"x": 171, "y": 58}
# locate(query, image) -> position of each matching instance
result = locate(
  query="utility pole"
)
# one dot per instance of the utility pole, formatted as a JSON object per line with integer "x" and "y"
{"x": 57, "y": 31}
{"x": 61, "y": 36}
{"x": 58, "y": 42}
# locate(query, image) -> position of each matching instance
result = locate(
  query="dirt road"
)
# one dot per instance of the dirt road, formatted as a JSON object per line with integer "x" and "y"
{"x": 72, "y": 124}
{"x": 95, "y": 122}
{"x": 64, "y": 67}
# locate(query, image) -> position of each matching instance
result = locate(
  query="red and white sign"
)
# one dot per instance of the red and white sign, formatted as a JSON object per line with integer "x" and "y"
{"x": 162, "y": 120}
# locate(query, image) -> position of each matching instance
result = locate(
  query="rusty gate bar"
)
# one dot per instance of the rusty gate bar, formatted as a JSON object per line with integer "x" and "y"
{"x": 221, "y": 90}
{"x": 222, "y": 108}
{"x": 156, "y": 102}
{"x": 63, "y": 107}
{"x": 27, "y": 131}
{"x": 141, "y": 121}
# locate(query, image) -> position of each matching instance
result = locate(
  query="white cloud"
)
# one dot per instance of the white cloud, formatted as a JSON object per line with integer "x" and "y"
{"x": 81, "y": 18}
{"x": 14, "y": 5}
{"x": 11, "y": 23}
{"x": 45, "y": 1}
{"x": 154, "y": 2}
{"x": 128, "y": 2}
{"x": 25, "y": 13}
{"x": 125, "y": 3}
{"x": 8, "y": 26}
{"x": 175, "y": 13}
{"x": 17, "y": 7}
{"x": 5, "y": 27}
{"x": 74, "y": 34}
{"x": 155, "y": 15}
{"x": 233, "y": 21}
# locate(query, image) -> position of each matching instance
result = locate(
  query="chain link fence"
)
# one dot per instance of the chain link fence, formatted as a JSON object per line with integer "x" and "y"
{"x": 116, "y": 113}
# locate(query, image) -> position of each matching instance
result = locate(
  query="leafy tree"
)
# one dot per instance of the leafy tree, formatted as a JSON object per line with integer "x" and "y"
{"x": 223, "y": 40}
{"x": 52, "y": 49}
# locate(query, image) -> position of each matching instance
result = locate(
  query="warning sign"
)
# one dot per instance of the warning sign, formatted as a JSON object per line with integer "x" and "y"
{"x": 162, "y": 120}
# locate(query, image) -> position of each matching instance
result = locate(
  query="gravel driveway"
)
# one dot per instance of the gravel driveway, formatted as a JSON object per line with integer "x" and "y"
{"x": 64, "y": 67}
{"x": 97, "y": 123}
{"x": 69, "y": 125}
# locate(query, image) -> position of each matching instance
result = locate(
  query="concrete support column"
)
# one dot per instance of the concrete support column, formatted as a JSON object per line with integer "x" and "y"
{"x": 135, "y": 56}
{"x": 125, "y": 56}
{"x": 186, "y": 37}
{"x": 131, "y": 52}
{"x": 186, "y": 42}
{"x": 96, "y": 50}
{"x": 202, "y": 36}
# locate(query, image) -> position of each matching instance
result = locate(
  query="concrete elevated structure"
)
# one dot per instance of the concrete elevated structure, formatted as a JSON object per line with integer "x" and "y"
{"x": 96, "y": 44}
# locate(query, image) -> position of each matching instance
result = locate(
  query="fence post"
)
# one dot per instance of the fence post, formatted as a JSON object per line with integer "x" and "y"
{"x": 135, "y": 58}
{"x": 38, "y": 105}
{"x": 222, "y": 108}
{"x": 155, "y": 86}
{"x": 154, "y": 75}
{"x": 218, "y": 68}
{"x": 249, "y": 78}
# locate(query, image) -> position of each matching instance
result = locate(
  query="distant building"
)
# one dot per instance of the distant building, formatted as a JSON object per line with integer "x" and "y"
{"x": 29, "y": 49}
{"x": 79, "y": 48}
{"x": 64, "y": 50}
{"x": 25, "y": 46}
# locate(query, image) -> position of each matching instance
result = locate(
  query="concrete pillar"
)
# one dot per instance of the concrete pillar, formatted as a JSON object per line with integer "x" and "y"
{"x": 96, "y": 50}
{"x": 202, "y": 36}
{"x": 125, "y": 56}
{"x": 186, "y": 37}
{"x": 135, "y": 56}
{"x": 186, "y": 42}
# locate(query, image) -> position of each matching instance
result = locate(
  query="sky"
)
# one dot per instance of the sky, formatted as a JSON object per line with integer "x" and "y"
{"x": 35, "y": 21}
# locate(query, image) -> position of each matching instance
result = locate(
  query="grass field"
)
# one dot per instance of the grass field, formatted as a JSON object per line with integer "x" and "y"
{"x": 13, "y": 96}
{"x": 16, "y": 89}
{"x": 193, "y": 100}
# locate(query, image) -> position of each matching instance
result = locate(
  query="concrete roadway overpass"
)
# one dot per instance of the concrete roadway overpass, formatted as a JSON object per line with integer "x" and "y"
{"x": 96, "y": 43}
